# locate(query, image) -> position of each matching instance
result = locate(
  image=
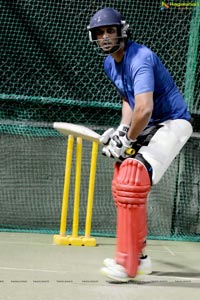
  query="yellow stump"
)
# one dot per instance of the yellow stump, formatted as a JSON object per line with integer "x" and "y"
{"x": 88, "y": 222}
{"x": 58, "y": 239}
{"x": 63, "y": 223}
{"x": 74, "y": 239}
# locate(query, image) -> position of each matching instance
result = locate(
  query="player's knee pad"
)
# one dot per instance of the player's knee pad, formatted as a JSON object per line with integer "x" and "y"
{"x": 114, "y": 181}
{"x": 132, "y": 188}
{"x": 133, "y": 182}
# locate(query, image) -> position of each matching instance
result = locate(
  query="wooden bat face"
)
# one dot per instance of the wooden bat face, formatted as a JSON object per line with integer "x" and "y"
{"x": 77, "y": 131}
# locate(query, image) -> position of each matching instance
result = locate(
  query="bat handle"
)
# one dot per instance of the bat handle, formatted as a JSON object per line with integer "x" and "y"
{"x": 130, "y": 151}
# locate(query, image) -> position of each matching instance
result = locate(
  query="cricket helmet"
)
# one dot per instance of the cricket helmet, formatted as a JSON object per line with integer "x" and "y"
{"x": 107, "y": 17}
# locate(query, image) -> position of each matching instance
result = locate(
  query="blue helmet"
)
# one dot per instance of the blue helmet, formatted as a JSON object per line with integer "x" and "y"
{"x": 107, "y": 17}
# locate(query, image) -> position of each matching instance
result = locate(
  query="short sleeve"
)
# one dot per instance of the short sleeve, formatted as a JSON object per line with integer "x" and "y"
{"x": 143, "y": 80}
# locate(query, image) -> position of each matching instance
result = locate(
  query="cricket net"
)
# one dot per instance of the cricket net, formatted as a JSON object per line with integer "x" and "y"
{"x": 50, "y": 72}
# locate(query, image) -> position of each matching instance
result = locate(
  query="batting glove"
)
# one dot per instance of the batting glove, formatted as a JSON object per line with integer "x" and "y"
{"x": 109, "y": 134}
{"x": 121, "y": 130}
{"x": 121, "y": 147}
{"x": 106, "y": 136}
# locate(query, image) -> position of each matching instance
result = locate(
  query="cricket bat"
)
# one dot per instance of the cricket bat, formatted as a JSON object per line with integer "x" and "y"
{"x": 81, "y": 131}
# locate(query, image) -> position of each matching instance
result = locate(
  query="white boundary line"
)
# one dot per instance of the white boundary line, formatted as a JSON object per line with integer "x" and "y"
{"x": 146, "y": 278}
{"x": 169, "y": 250}
{"x": 164, "y": 278}
{"x": 33, "y": 270}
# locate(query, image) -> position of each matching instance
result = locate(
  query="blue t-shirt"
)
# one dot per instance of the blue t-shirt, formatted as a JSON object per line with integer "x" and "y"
{"x": 142, "y": 71}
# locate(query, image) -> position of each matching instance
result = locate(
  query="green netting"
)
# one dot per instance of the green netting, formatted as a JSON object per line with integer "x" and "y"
{"x": 32, "y": 164}
{"x": 50, "y": 72}
{"x": 47, "y": 63}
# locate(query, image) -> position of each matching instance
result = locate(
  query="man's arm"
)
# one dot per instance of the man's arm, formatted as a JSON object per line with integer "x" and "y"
{"x": 138, "y": 119}
{"x": 141, "y": 114}
{"x": 126, "y": 113}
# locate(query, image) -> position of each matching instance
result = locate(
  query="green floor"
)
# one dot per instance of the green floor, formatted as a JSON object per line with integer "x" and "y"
{"x": 32, "y": 268}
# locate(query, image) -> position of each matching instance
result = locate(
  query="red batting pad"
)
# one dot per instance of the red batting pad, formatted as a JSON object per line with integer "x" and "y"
{"x": 132, "y": 188}
{"x": 114, "y": 181}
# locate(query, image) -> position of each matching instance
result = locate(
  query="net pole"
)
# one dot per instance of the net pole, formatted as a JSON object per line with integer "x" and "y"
{"x": 192, "y": 57}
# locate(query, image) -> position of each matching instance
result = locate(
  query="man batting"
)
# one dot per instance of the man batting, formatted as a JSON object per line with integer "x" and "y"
{"x": 155, "y": 123}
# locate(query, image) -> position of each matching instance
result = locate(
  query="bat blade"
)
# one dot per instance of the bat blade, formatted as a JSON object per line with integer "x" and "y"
{"x": 83, "y": 132}
{"x": 76, "y": 130}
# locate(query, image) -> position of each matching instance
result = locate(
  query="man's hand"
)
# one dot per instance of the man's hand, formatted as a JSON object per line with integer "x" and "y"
{"x": 121, "y": 146}
{"x": 109, "y": 134}
{"x": 106, "y": 136}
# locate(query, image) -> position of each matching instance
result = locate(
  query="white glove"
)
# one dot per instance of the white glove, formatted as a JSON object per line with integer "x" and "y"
{"x": 118, "y": 146}
{"x": 106, "y": 137}
{"x": 121, "y": 130}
